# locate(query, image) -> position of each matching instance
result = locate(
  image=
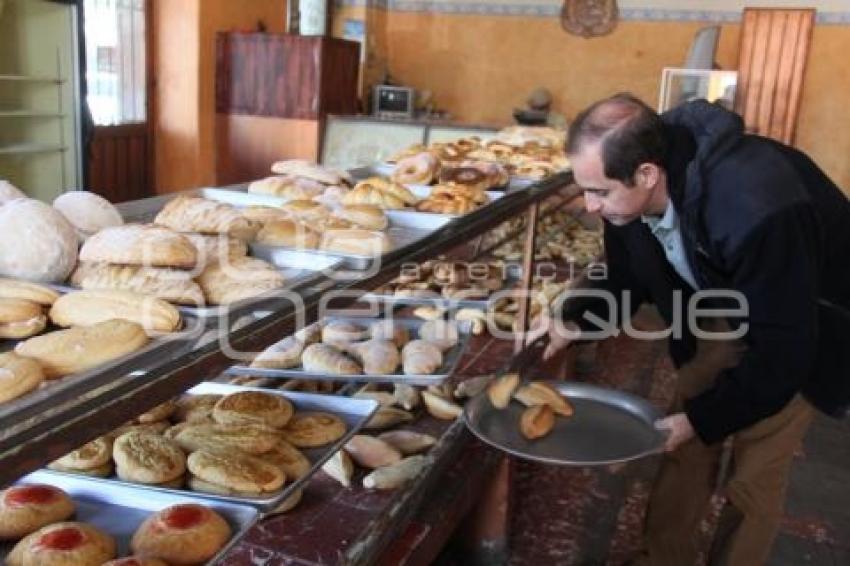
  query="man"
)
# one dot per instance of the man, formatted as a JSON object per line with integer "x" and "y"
{"x": 691, "y": 203}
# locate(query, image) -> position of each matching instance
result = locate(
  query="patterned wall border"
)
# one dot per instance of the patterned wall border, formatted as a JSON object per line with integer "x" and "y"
{"x": 548, "y": 10}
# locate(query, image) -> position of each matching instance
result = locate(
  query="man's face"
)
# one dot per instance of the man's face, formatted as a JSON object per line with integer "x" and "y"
{"x": 614, "y": 201}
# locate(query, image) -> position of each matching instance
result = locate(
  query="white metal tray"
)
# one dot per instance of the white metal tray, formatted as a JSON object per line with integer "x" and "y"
{"x": 119, "y": 510}
{"x": 354, "y": 412}
{"x": 450, "y": 361}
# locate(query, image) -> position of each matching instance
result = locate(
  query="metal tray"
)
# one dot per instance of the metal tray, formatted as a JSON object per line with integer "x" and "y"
{"x": 119, "y": 510}
{"x": 144, "y": 210}
{"x": 355, "y": 413}
{"x": 513, "y": 273}
{"x": 30, "y": 409}
{"x": 608, "y": 427}
{"x": 450, "y": 361}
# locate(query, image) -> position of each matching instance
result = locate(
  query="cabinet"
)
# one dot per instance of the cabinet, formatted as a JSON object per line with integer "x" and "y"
{"x": 39, "y": 98}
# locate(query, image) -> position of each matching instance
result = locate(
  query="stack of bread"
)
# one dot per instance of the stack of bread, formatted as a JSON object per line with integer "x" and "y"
{"x": 247, "y": 443}
{"x": 346, "y": 348}
{"x": 298, "y": 179}
{"x": 99, "y": 327}
{"x": 38, "y": 517}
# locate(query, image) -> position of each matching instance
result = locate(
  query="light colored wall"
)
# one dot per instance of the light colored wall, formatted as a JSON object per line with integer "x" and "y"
{"x": 482, "y": 66}
{"x": 184, "y": 98}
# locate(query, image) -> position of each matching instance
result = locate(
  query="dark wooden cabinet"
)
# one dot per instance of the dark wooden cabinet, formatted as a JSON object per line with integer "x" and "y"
{"x": 286, "y": 76}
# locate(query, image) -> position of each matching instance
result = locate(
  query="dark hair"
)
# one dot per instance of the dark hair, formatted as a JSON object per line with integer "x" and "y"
{"x": 630, "y": 133}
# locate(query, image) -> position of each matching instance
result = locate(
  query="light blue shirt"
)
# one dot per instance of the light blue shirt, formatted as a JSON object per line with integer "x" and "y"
{"x": 666, "y": 230}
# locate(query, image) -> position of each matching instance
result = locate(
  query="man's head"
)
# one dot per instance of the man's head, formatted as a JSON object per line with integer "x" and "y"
{"x": 616, "y": 148}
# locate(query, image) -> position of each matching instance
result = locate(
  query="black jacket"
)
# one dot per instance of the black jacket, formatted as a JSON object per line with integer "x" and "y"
{"x": 760, "y": 218}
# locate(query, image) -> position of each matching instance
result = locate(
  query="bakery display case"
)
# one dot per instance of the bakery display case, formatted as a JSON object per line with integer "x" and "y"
{"x": 401, "y": 428}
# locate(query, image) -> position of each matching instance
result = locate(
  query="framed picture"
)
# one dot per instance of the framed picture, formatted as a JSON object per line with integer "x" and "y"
{"x": 682, "y": 85}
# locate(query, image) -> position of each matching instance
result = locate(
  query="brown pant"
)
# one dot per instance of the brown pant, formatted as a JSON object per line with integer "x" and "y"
{"x": 755, "y": 492}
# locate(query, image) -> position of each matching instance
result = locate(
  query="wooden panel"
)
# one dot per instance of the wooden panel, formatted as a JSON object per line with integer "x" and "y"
{"x": 286, "y": 76}
{"x": 772, "y": 62}
{"x": 118, "y": 167}
{"x": 248, "y": 145}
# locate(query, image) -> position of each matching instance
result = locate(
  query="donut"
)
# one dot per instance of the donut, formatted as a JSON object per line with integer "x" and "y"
{"x": 419, "y": 169}
{"x": 469, "y": 176}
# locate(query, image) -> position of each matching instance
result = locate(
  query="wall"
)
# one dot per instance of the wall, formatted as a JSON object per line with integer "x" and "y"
{"x": 184, "y": 95}
{"x": 480, "y": 67}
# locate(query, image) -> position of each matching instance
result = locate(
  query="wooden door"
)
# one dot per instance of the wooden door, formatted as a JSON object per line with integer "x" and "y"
{"x": 120, "y": 154}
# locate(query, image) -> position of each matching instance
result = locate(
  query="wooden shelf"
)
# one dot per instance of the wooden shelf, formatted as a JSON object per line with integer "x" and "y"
{"x": 30, "y": 114}
{"x": 32, "y": 79}
{"x": 29, "y": 148}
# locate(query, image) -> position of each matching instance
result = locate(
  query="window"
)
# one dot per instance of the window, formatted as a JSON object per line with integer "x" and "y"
{"x": 115, "y": 60}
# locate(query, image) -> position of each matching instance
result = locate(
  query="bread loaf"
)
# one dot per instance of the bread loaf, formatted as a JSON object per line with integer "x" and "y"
{"x": 173, "y": 285}
{"x": 196, "y": 214}
{"x": 140, "y": 244}
{"x": 87, "y": 308}
{"x": 39, "y": 243}
{"x": 356, "y": 242}
{"x": 87, "y": 212}
{"x": 238, "y": 279}
{"x": 82, "y": 348}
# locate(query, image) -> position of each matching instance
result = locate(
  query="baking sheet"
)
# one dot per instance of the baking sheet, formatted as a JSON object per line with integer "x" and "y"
{"x": 450, "y": 360}
{"x": 119, "y": 510}
{"x": 27, "y": 410}
{"x": 608, "y": 427}
{"x": 513, "y": 273}
{"x": 355, "y": 413}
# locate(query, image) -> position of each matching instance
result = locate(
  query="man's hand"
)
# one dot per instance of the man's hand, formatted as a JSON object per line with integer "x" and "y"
{"x": 678, "y": 428}
{"x": 560, "y": 335}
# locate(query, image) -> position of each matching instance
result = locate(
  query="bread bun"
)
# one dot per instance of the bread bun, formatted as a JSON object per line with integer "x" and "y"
{"x": 186, "y": 533}
{"x": 205, "y": 216}
{"x": 140, "y": 244}
{"x": 18, "y": 376}
{"x": 236, "y": 471}
{"x": 79, "y": 349}
{"x": 147, "y": 458}
{"x": 172, "y": 285}
{"x": 253, "y": 407}
{"x": 20, "y": 318}
{"x": 17, "y": 289}
{"x": 366, "y": 216}
{"x": 288, "y": 233}
{"x": 63, "y": 544}
{"x": 87, "y": 212}
{"x": 26, "y": 508}
{"x": 356, "y": 242}
{"x": 240, "y": 278}
{"x": 40, "y": 244}
{"x": 86, "y": 308}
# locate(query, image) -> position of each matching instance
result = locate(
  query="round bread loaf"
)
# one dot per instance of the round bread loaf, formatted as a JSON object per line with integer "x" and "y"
{"x": 147, "y": 458}
{"x": 41, "y": 245}
{"x": 253, "y": 407}
{"x": 18, "y": 376}
{"x": 307, "y": 430}
{"x": 63, "y": 544}
{"x": 9, "y": 192}
{"x": 186, "y": 533}
{"x": 26, "y": 508}
{"x": 92, "y": 455}
{"x": 236, "y": 471}
{"x": 87, "y": 212}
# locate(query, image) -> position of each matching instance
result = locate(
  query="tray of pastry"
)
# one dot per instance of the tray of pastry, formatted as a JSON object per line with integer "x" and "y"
{"x": 179, "y": 528}
{"x": 449, "y": 284}
{"x": 358, "y": 349}
{"x": 245, "y": 445}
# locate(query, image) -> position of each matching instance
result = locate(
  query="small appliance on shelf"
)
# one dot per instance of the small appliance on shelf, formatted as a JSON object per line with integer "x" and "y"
{"x": 392, "y": 101}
